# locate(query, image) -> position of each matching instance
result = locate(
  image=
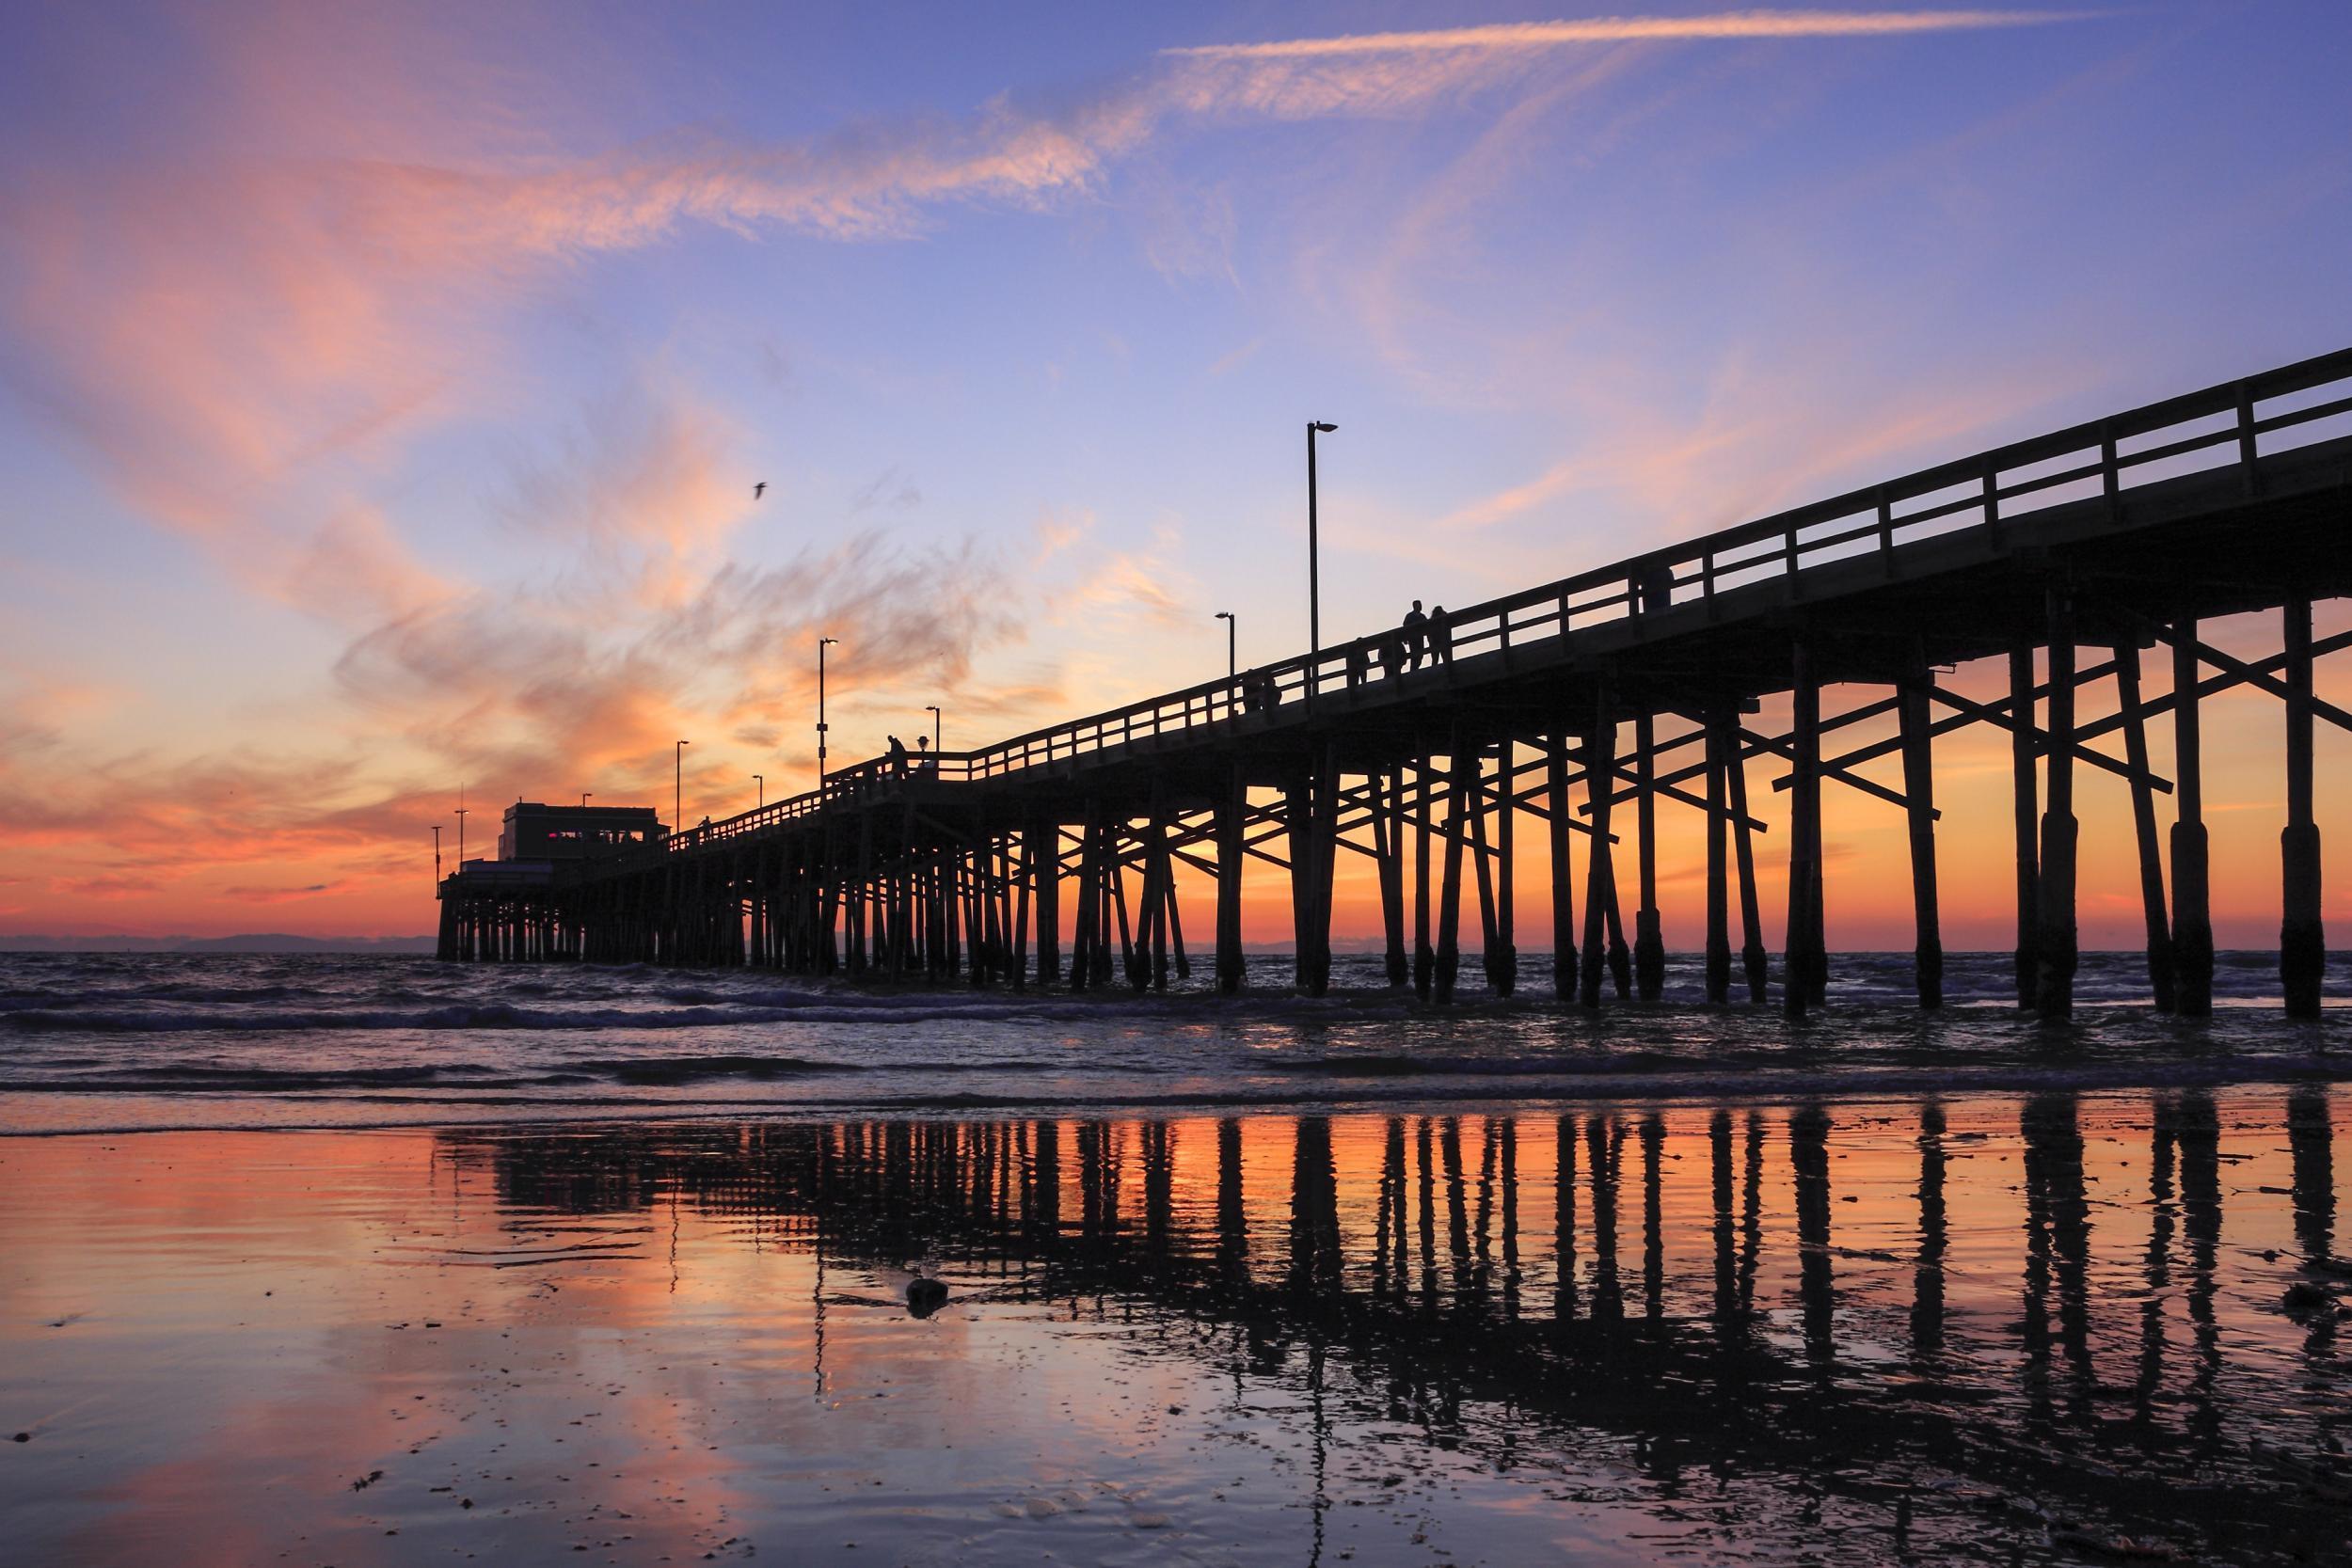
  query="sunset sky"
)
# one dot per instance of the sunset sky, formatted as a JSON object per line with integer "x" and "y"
{"x": 382, "y": 388}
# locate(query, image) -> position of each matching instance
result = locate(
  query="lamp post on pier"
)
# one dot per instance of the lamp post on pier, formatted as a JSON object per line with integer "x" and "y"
{"x": 584, "y": 798}
{"x": 461, "y": 833}
{"x": 823, "y": 643}
{"x": 1232, "y": 664}
{"x": 437, "y": 854}
{"x": 1314, "y": 595}
{"x": 761, "y": 780}
{"x": 677, "y": 786}
{"x": 939, "y": 741}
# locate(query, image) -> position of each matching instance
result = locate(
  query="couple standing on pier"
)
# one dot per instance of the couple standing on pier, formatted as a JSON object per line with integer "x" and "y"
{"x": 1419, "y": 636}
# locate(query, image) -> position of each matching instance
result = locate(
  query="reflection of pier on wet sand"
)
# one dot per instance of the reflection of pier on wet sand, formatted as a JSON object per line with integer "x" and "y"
{"x": 1897, "y": 1324}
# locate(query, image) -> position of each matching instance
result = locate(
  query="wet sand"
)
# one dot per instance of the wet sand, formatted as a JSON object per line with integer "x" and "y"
{"x": 2061, "y": 1328}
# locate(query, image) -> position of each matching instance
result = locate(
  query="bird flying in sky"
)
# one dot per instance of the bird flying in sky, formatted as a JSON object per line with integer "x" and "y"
{"x": 758, "y": 490}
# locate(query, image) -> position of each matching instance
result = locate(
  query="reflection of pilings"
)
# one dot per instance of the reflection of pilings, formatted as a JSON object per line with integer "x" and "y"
{"x": 2058, "y": 1216}
{"x": 1232, "y": 1220}
{"x": 2197, "y": 1130}
{"x": 1808, "y": 1160}
{"x": 1653, "y": 1220}
{"x": 1456, "y": 1206}
{"x": 1751, "y": 1210}
{"x": 1315, "y": 1262}
{"x": 2157, "y": 1265}
{"x": 1564, "y": 1221}
{"x": 1726, "y": 1258}
{"x": 2309, "y": 1137}
{"x": 1927, "y": 1291}
{"x": 969, "y": 1194}
{"x": 1388, "y": 1262}
{"x": 1158, "y": 1185}
{"x": 1603, "y": 1142}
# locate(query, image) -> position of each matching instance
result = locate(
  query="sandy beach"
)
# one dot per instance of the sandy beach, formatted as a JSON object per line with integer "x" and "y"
{"x": 1993, "y": 1329}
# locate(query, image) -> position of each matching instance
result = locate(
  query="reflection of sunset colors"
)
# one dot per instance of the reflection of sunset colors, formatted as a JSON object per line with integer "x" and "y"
{"x": 384, "y": 395}
{"x": 1724, "y": 1323}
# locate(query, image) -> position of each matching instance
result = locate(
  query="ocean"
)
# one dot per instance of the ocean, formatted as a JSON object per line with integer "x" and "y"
{"x": 120, "y": 1042}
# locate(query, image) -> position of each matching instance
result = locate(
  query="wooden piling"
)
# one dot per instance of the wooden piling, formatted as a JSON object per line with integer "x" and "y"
{"x": 1649, "y": 944}
{"x": 2025, "y": 814}
{"x": 1754, "y": 959}
{"x": 2302, "y": 940}
{"x": 1232, "y": 811}
{"x": 2144, "y": 828}
{"x": 1563, "y": 887}
{"x": 1045, "y": 870}
{"x": 1804, "y": 807}
{"x": 2192, "y": 910}
{"x": 1919, "y": 810}
{"x": 1424, "y": 956}
{"x": 1717, "y": 742}
{"x": 1600, "y": 782}
{"x": 2055, "y": 935}
{"x": 1388, "y": 792}
{"x": 1502, "y": 964}
{"x": 1464, "y": 761}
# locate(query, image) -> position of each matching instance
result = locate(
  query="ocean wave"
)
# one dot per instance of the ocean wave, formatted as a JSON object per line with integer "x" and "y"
{"x": 486, "y": 1016}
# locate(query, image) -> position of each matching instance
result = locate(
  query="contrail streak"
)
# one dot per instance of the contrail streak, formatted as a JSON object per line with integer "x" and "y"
{"x": 1619, "y": 30}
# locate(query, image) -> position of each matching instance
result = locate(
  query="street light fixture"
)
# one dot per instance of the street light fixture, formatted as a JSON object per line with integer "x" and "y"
{"x": 437, "y": 854}
{"x": 584, "y": 798}
{"x": 761, "y": 780}
{"x": 1315, "y": 599}
{"x": 677, "y": 786}
{"x": 461, "y": 828}
{"x": 938, "y": 742}
{"x": 823, "y": 643}
{"x": 1233, "y": 665}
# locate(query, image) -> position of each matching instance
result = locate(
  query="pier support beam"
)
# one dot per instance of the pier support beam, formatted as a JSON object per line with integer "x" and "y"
{"x": 1562, "y": 888}
{"x": 2054, "y": 936}
{"x": 1388, "y": 840}
{"x": 1424, "y": 956}
{"x": 1233, "y": 813}
{"x": 1650, "y": 943}
{"x": 1804, "y": 810}
{"x": 1919, "y": 803}
{"x": 1753, "y": 959}
{"x": 2025, "y": 812}
{"x": 2303, "y": 942}
{"x": 2144, "y": 828}
{"x": 1503, "y": 963}
{"x": 2192, "y": 907}
{"x": 1717, "y": 743}
{"x": 1465, "y": 763}
{"x": 1600, "y": 749}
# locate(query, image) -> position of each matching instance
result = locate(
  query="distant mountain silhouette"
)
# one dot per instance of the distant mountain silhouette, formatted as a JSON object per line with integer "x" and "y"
{"x": 259, "y": 942}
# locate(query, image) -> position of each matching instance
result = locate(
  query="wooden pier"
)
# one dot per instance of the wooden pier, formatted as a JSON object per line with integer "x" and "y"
{"x": 1585, "y": 707}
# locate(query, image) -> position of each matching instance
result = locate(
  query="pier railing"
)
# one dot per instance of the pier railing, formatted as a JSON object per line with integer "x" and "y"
{"x": 2231, "y": 425}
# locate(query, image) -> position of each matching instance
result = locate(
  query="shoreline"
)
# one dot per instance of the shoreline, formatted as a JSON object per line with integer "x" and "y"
{"x": 1674, "y": 1088}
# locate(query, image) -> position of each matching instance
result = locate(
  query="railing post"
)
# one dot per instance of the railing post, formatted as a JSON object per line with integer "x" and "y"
{"x": 2247, "y": 454}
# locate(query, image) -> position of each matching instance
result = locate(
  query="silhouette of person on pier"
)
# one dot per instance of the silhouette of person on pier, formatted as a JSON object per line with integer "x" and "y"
{"x": 1439, "y": 631}
{"x": 1416, "y": 636}
{"x": 1391, "y": 655}
{"x": 897, "y": 756}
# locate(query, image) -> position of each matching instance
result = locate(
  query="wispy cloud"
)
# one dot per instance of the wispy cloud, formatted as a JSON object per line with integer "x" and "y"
{"x": 1524, "y": 35}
